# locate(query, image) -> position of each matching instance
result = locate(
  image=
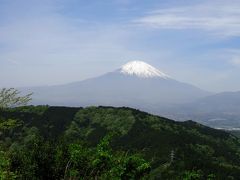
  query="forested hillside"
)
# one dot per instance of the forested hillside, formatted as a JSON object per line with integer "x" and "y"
{"x": 45, "y": 142}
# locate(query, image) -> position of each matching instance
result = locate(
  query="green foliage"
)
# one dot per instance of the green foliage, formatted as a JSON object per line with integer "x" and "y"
{"x": 24, "y": 154}
{"x": 11, "y": 98}
{"x": 192, "y": 175}
{"x": 113, "y": 119}
{"x": 5, "y": 173}
{"x": 9, "y": 124}
{"x": 196, "y": 175}
{"x": 73, "y": 143}
{"x": 38, "y": 110}
{"x": 102, "y": 163}
{"x": 34, "y": 158}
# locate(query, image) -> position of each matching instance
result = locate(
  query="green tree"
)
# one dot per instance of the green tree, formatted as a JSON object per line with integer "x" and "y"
{"x": 192, "y": 175}
{"x": 5, "y": 173}
{"x": 12, "y": 97}
{"x": 102, "y": 162}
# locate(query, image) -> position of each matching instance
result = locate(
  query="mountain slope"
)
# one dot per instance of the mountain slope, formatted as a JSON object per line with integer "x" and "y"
{"x": 221, "y": 110}
{"x": 136, "y": 84}
{"x": 172, "y": 147}
{"x": 221, "y": 102}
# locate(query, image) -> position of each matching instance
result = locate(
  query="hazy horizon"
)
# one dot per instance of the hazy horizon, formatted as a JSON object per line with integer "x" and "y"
{"x": 59, "y": 41}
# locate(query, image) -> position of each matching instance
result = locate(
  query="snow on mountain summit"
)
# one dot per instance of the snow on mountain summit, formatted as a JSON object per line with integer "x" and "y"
{"x": 142, "y": 69}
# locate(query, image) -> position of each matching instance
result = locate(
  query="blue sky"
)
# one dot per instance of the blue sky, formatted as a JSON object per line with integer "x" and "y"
{"x": 59, "y": 41}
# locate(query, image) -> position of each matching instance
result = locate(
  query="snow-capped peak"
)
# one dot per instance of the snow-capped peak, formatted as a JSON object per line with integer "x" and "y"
{"x": 141, "y": 69}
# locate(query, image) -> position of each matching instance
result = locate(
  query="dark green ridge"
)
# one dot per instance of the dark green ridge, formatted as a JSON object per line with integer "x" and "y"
{"x": 194, "y": 147}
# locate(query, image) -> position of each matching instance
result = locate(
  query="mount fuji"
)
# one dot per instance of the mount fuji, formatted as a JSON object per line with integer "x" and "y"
{"x": 135, "y": 84}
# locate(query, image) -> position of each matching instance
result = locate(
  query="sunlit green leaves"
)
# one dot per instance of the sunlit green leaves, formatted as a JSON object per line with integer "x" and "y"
{"x": 12, "y": 97}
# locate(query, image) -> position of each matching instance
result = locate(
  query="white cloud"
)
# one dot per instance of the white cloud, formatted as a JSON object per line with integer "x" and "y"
{"x": 45, "y": 46}
{"x": 60, "y": 46}
{"x": 218, "y": 17}
{"x": 13, "y": 62}
{"x": 235, "y": 58}
{"x": 236, "y": 61}
{"x": 230, "y": 57}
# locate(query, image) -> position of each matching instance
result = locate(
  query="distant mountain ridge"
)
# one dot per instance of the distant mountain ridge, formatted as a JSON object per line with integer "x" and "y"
{"x": 220, "y": 110}
{"x": 136, "y": 84}
{"x": 142, "y": 86}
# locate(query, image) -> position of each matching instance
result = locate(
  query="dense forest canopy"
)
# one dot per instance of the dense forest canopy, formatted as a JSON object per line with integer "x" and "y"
{"x": 117, "y": 143}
